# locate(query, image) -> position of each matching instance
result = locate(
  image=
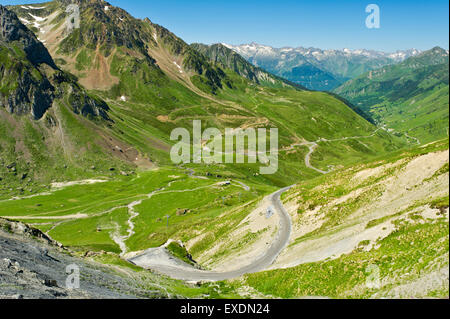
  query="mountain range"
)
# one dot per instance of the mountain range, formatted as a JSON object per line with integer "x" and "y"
{"x": 149, "y": 82}
{"x": 315, "y": 68}
{"x": 221, "y": 54}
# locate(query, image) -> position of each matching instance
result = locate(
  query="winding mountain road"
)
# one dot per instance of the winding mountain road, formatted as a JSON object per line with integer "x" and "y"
{"x": 313, "y": 145}
{"x": 159, "y": 260}
{"x": 183, "y": 271}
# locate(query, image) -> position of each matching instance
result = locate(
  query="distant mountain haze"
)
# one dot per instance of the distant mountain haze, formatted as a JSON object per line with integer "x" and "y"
{"x": 317, "y": 69}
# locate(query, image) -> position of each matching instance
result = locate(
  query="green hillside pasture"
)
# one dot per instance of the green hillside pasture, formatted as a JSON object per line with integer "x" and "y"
{"x": 85, "y": 216}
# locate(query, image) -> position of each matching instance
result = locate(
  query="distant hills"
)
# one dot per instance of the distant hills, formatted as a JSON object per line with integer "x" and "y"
{"x": 410, "y": 97}
{"x": 317, "y": 69}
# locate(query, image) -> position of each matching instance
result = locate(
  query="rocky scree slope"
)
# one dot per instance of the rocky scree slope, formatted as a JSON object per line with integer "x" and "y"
{"x": 33, "y": 266}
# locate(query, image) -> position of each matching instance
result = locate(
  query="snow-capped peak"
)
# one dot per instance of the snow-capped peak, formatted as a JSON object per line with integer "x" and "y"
{"x": 254, "y": 50}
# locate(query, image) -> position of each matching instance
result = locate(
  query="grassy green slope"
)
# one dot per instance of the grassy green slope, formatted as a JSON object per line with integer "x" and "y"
{"x": 299, "y": 116}
{"x": 165, "y": 84}
{"x": 410, "y": 97}
{"x": 399, "y": 215}
{"x": 49, "y": 124}
{"x": 86, "y": 217}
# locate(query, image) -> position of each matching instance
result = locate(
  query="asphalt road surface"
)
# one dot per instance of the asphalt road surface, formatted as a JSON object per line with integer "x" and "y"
{"x": 185, "y": 272}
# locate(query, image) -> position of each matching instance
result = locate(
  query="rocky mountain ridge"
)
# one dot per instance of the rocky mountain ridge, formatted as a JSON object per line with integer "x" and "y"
{"x": 30, "y": 80}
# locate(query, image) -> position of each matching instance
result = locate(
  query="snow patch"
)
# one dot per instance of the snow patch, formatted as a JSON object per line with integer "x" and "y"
{"x": 24, "y": 21}
{"x": 82, "y": 182}
{"x": 38, "y": 19}
{"x": 32, "y": 8}
{"x": 178, "y": 66}
{"x": 254, "y": 50}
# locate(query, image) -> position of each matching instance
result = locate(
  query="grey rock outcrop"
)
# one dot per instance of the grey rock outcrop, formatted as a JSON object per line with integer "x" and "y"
{"x": 33, "y": 266}
{"x": 30, "y": 81}
{"x": 11, "y": 29}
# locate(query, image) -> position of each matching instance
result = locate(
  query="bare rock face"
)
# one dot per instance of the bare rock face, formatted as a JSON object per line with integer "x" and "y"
{"x": 30, "y": 81}
{"x": 22, "y": 229}
{"x": 31, "y": 97}
{"x": 33, "y": 266}
{"x": 11, "y": 29}
{"x": 23, "y": 87}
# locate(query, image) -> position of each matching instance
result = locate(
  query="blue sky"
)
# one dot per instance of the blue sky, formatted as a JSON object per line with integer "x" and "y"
{"x": 324, "y": 24}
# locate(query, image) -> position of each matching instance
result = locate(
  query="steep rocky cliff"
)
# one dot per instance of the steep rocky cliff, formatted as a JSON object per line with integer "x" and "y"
{"x": 30, "y": 80}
